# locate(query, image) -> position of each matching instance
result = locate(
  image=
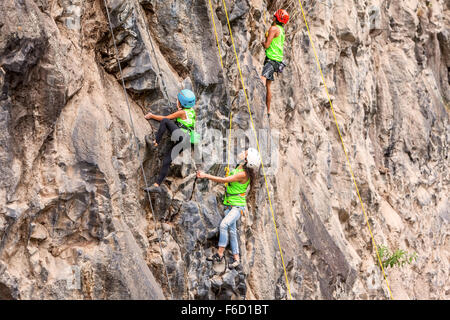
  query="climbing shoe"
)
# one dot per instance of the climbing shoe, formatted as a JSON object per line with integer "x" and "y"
{"x": 149, "y": 139}
{"x": 215, "y": 258}
{"x": 234, "y": 264}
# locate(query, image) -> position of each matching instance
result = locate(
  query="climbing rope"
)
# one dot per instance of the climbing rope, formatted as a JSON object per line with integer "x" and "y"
{"x": 137, "y": 144}
{"x": 215, "y": 32}
{"x": 159, "y": 76}
{"x": 227, "y": 169}
{"x": 345, "y": 150}
{"x": 229, "y": 143}
{"x": 259, "y": 152}
{"x": 165, "y": 88}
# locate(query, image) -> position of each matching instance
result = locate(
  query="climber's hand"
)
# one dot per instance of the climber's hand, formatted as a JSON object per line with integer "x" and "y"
{"x": 201, "y": 174}
{"x": 149, "y": 116}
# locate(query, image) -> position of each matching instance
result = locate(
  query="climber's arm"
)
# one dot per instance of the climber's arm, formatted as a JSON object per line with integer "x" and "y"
{"x": 241, "y": 177}
{"x": 177, "y": 114}
{"x": 273, "y": 33}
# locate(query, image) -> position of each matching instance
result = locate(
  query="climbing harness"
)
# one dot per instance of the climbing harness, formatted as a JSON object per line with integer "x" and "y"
{"x": 257, "y": 143}
{"x": 281, "y": 67}
{"x": 137, "y": 144}
{"x": 188, "y": 125}
{"x": 236, "y": 192}
{"x": 193, "y": 135}
{"x": 345, "y": 150}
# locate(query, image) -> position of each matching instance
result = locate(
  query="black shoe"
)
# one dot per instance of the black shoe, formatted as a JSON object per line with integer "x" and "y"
{"x": 215, "y": 258}
{"x": 149, "y": 139}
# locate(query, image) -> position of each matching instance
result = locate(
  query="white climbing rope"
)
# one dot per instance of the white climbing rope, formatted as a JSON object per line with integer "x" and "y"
{"x": 136, "y": 141}
{"x": 165, "y": 91}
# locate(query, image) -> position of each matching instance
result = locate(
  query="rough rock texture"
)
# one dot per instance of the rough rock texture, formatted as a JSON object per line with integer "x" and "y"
{"x": 75, "y": 223}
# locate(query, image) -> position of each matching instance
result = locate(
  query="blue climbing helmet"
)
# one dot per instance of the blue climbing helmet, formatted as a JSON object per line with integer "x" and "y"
{"x": 186, "y": 98}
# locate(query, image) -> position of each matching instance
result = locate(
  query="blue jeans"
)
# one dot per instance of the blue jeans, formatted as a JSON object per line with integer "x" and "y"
{"x": 232, "y": 215}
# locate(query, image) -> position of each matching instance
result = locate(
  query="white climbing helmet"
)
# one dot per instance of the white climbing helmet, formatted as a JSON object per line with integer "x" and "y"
{"x": 253, "y": 159}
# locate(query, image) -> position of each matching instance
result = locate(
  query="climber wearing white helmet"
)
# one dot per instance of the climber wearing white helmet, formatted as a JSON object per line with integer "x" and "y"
{"x": 235, "y": 200}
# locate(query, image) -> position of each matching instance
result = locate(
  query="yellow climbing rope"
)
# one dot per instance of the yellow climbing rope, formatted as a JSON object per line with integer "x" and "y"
{"x": 215, "y": 32}
{"x": 229, "y": 144}
{"x": 345, "y": 150}
{"x": 227, "y": 169}
{"x": 259, "y": 151}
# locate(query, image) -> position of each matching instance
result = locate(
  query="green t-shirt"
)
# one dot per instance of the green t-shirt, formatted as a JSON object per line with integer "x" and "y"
{"x": 190, "y": 118}
{"x": 236, "y": 192}
{"x": 275, "y": 50}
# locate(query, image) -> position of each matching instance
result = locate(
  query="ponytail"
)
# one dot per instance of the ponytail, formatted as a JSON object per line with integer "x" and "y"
{"x": 250, "y": 172}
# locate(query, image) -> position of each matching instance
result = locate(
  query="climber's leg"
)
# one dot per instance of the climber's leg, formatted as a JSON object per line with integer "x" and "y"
{"x": 165, "y": 167}
{"x": 267, "y": 78}
{"x": 234, "y": 238}
{"x": 166, "y": 124}
{"x": 263, "y": 79}
{"x": 167, "y": 160}
{"x": 166, "y": 163}
{"x": 223, "y": 236}
{"x": 268, "y": 95}
{"x": 229, "y": 224}
{"x": 268, "y": 70}
{"x": 234, "y": 215}
{"x": 223, "y": 240}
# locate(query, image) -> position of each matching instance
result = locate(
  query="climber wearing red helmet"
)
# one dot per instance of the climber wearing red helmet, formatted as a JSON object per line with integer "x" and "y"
{"x": 274, "y": 51}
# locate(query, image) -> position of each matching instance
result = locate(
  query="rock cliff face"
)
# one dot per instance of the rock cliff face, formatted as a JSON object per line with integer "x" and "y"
{"x": 75, "y": 222}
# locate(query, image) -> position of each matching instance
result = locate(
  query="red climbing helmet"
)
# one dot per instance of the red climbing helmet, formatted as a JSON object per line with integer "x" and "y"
{"x": 282, "y": 16}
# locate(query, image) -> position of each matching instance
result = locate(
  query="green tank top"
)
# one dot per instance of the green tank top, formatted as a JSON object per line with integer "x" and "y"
{"x": 236, "y": 192}
{"x": 190, "y": 118}
{"x": 275, "y": 50}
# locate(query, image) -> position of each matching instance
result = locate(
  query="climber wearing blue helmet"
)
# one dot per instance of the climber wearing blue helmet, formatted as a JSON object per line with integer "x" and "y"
{"x": 184, "y": 120}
